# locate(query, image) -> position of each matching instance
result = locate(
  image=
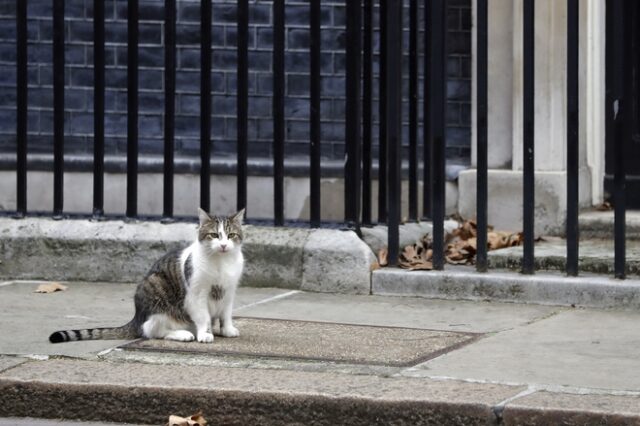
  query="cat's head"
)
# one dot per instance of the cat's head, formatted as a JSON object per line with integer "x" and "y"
{"x": 220, "y": 235}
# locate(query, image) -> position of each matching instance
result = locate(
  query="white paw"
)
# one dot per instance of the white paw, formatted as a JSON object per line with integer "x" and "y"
{"x": 230, "y": 331}
{"x": 181, "y": 336}
{"x": 204, "y": 337}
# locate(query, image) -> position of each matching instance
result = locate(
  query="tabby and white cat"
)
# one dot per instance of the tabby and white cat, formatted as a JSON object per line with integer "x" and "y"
{"x": 185, "y": 290}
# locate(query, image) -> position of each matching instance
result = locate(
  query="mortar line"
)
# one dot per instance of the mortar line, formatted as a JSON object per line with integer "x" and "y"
{"x": 268, "y": 299}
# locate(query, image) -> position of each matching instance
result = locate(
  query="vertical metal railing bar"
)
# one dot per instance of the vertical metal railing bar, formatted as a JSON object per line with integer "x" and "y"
{"x": 98, "y": 107}
{"x": 620, "y": 110}
{"x": 169, "y": 103}
{"x": 382, "y": 113}
{"x": 528, "y": 110}
{"x": 438, "y": 114}
{"x": 572, "y": 230}
{"x": 205, "y": 104}
{"x": 21, "y": 106}
{"x": 314, "y": 112}
{"x": 481, "y": 129}
{"x": 58, "y": 107}
{"x": 413, "y": 110}
{"x": 393, "y": 19}
{"x": 427, "y": 182}
{"x": 353, "y": 148}
{"x": 242, "y": 101}
{"x": 278, "y": 111}
{"x": 367, "y": 115}
{"x": 132, "y": 108}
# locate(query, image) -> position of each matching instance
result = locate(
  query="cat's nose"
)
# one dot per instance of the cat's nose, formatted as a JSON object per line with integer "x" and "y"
{"x": 223, "y": 247}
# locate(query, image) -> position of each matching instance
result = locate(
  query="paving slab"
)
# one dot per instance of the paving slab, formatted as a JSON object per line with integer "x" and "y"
{"x": 544, "y": 408}
{"x": 28, "y": 318}
{"x": 90, "y": 390}
{"x": 475, "y": 317}
{"x": 304, "y": 340}
{"x": 9, "y": 362}
{"x": 573, "y": 349}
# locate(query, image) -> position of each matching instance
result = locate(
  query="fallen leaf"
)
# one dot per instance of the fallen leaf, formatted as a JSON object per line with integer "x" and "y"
{"x": 383, "y": 256}
{"x": 606, "y": 206}
{"x": 414, "y": 257}
{"x": 374, "y": 266}
{"x": 195, "y": 420}
{"x": 50, "y": 288}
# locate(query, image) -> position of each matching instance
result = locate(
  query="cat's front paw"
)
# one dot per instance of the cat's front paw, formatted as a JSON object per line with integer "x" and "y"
{"x": 230, "y": 331}
{"x": 205, "y": 337}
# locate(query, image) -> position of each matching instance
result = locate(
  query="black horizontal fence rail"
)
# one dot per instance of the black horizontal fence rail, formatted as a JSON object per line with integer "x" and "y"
{"x": 361, "y": 62}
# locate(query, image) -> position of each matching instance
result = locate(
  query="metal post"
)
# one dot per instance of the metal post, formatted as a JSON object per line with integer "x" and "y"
{"x": 169, "y": 103}
{"x": 572, "y": 230}
{"x": 393, "y": 19}
{"x": 205, "y": 104}
{"x": 242, "y": 100}
{"x": 132, "y": 109}
{"x": 314, "y": 113}
{"x": 481, "y": 111}
{"x": 278, "y": 111}
{"x": 21, "y": 97}
{"x": 528, "y": 135}
{"x": 58, "y": 107}
{"x": 98, "y": 108}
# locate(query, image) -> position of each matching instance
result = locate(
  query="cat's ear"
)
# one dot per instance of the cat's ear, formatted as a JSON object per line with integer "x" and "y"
{"x": 203, "y": 216}
{"x": 238, "y": 217}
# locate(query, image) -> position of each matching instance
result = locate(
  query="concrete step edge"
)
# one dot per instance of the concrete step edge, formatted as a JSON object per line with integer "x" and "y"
{"x": 541, "y": 288}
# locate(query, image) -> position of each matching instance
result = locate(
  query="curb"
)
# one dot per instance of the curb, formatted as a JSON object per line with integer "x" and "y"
{"x": 117, "y": 251}
{"x": 103, "y": 391}
{"x": 545, "y": 289}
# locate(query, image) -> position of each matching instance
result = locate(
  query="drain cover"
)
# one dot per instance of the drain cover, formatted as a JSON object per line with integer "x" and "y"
{"x": 303, "y": 340}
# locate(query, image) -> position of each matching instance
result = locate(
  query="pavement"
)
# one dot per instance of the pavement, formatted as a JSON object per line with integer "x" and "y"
{"x": 314, "y": 358}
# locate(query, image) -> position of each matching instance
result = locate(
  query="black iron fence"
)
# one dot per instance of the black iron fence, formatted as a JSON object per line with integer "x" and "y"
{"x": 358, "y": 132}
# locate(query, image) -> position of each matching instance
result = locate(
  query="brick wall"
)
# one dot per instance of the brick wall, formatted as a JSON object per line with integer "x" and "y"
{"x": 79, "y": 77}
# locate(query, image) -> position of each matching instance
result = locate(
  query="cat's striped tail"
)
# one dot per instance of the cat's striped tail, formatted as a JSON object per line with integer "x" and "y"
{"x": 127, "y": 331}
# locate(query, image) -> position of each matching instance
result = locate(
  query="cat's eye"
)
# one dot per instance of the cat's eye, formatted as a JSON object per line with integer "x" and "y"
{"x": 233, "y": 235}
{"x": 212, "y": 236}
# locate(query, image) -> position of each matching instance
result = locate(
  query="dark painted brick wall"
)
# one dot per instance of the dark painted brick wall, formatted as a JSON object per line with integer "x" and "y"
{"x": 79, "y": 77}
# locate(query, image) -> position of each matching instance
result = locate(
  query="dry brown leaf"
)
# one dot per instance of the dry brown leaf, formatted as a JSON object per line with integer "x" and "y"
{"x": 374, "y": 266}
{"x": 414, "y": 257}
{"x": 606, "y": 206}
{"x": 50, "y": 288}
{"x": 195, "y": 420}
{"x": 383, "y": 255}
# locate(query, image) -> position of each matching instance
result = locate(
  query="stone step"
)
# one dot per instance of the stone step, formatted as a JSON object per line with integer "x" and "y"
{"x": 596, "y": 224}
{"x": 594, "y": 256}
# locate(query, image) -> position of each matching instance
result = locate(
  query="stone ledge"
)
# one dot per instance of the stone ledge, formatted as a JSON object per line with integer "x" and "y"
{"x": 545, "y": 408}
{"x": 549, "y": 289}
{"x": 88, "y": 390}
{"x": 117, "y": 251}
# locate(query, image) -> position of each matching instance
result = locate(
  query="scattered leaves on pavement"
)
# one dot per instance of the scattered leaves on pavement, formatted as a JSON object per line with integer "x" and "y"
{"x": 460, "y": 247}
{"x": 606, "y": 206}
{"x": 50, "y": 288}
{"x": 194, "y": 420}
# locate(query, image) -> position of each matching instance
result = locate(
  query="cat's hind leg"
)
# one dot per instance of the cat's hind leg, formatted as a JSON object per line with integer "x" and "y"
{"x": 162, "y": 327}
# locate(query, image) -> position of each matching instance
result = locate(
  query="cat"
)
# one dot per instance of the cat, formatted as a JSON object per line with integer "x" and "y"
{"x": 185, "y": 290}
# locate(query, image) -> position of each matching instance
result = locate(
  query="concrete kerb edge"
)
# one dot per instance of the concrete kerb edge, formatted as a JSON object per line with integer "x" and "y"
{"x": 546, "y": 289}
{"x": 313, "y": 259}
